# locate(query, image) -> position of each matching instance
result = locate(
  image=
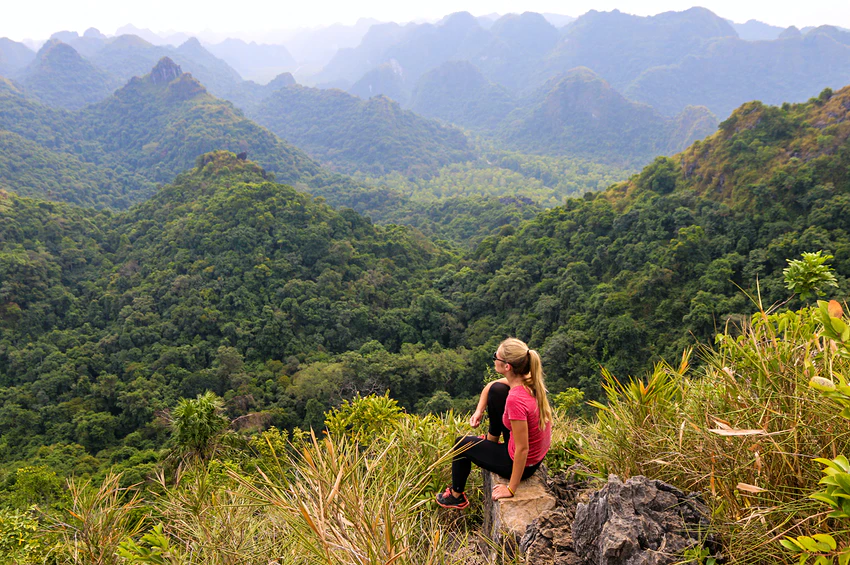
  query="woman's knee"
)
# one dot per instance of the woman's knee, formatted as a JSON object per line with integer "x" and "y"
{"x": 500, "y": 390}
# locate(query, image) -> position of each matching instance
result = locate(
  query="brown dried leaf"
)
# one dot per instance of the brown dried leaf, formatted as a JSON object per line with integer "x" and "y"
{"x": 735, "y": 433}
{"x": 750, "y": 488}
{"x": 834, "y": 309}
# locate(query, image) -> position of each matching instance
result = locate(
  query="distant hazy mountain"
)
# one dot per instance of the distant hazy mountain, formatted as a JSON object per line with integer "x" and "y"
{"x": 349, "y": 64}
{"x": 144, "y": 33}
{"x": 754, "y": 30}
{"x": 558, "y": 20}
{"x": 581, "y": 115}
{"x": 523, "y": 51}
{"x": 459, "y": 93}
{"x": 314, "y": 48}
{"x": 374, "y": 136}
{"x": 732, "y": 71}
{"x": 59, "y": 76}
{"x": 516, "y": 49}
{"x": 426, "y": 46}
{"x": 387, "y": 80}
{"x": 253, "y": 61}
{"x": 248, "y": 93}
{"x": 619, "y": 47}
{"x": 126, "y": 56}
{"x": 506, "y": 52}
{"x": 13, "y": 56}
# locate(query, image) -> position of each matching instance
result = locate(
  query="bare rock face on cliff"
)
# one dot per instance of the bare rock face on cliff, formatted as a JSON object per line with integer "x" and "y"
{"x": 639, "y": 522}
{"x": 165, "y": 71}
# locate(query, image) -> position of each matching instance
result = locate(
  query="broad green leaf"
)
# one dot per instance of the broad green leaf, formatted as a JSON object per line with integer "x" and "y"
{"x": 827, "y": 539}
{"x": 791, "y": 544}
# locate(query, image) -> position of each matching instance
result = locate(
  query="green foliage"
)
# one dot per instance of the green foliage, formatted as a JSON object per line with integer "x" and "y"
{"x": 100, "y": 517}
{"x": 837, "y": 480}
{"x": 822, "y": 547}
{"x": 115, "y": 152}
{"x": 569, "y": 401}
{"x": 36, "y": 485}
{"x": 364, "y": 418}
{"x": 21, "y": 541}
{"x": 153, "y": 547}
{"x": 809, "y": 276}
{"x": 198, "y": 423}
{"x": 700, "y": 555}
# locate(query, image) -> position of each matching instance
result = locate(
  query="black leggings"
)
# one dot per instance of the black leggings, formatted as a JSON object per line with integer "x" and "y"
{"x": 487, "y": 454}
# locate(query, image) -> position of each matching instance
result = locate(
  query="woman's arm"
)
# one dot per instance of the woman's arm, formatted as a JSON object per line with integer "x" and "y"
{"x": 476, "y": 418}
{"x": 519, "y": 433}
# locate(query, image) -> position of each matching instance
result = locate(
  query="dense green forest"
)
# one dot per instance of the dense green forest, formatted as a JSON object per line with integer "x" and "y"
{"x": 228, "y": 281}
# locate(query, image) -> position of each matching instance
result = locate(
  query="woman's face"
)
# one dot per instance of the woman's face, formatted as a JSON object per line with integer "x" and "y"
{"x": 498, "y": 364}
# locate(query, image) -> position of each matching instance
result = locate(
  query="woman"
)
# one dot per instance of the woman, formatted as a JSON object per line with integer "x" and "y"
{"x": 519, "y": 412}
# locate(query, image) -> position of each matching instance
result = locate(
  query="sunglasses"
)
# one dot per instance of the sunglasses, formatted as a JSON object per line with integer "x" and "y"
{"x": 502, "y": 360}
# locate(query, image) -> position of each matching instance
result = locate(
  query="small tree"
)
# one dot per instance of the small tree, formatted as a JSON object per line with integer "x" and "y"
{"x": 810, "y": 275}
{"x": 197, "y": 424}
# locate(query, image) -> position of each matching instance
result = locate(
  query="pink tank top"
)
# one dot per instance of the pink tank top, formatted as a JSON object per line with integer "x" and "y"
{"x": 521, "y": 405}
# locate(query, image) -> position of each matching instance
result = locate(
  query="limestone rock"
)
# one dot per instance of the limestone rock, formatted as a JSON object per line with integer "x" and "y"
{"x": 639, "y": 522}
{"x": 165, "y": 71}
{"x": 548, "y": 540}
{"x": 506, "y": 519}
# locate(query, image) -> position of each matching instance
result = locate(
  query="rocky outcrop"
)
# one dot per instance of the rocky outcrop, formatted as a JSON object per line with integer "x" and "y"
{"x": 165, "y": 71}
{"x": 549, "y": 540}
{"x": 639, "y": 522}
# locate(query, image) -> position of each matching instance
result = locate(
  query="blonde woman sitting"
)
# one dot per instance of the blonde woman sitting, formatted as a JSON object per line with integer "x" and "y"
{"x": 518, "y": 411}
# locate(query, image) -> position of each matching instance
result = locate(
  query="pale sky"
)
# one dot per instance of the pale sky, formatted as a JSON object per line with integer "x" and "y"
{"x": 37, "y": 19}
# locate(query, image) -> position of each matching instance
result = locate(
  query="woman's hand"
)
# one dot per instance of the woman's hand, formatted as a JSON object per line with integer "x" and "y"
{"x": 501, "y": 491}
{"x": 475, "y": 419}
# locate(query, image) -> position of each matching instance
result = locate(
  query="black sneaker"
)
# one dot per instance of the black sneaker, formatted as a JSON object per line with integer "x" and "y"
{"x": 448, "y": 500}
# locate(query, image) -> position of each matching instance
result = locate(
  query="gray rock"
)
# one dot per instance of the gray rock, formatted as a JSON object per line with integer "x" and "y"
{"x": 639, "y": 522}
{"x": 548, "y": 540}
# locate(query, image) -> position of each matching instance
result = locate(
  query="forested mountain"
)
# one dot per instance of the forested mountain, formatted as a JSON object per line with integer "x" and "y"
{"x": 148, "y": 131}
{"x": 581, "y": 115}
{"x": 219, "y": 263}
{"x": 229, "y": 282}
{"x": 731, "y": 71}
{"x": 374, "y": 136}
{"x": 60, "y": 77}
{"x": 459, "y": 93}
{"x": 13, "y": 56}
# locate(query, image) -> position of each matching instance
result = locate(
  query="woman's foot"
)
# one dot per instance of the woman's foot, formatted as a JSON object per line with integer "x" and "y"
{"x": 448, "y": 499}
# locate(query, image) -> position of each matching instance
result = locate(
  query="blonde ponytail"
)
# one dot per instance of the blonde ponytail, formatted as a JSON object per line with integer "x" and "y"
{"x": 526, "y": 362}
